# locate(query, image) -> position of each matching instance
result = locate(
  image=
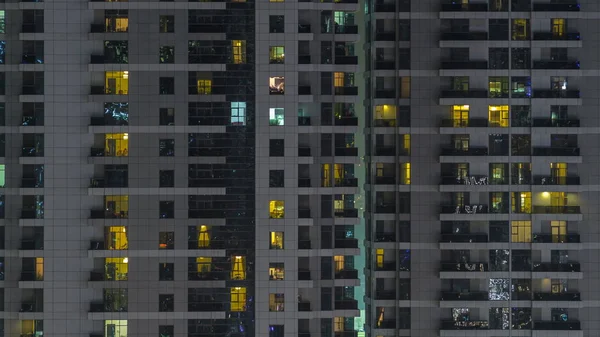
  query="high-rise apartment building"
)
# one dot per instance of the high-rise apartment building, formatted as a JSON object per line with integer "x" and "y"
{"x": 175, "y": 168}
{"x": 483, "y": 181}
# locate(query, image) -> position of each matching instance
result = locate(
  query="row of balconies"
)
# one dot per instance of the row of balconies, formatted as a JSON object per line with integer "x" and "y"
{"x": 224, "y": 120}
{"x": 536, "y": 238}
{"x": 536, "y": 296}
{"x": 303, "y": 90}
{"x": 535, "y": 122}
{"x": 537, "y": 325}
{"x": 567, "y": 6}
{"x": 483, "y": 36}
{"x": 537, "y": 180}
{"x": 303, "y": 213}
{"x": 484, "y": 65}
{"x": 338, "y": 182}
{"x": 205, "y": 28}
{"x": 538, "y": 151}
{"x": 484, "y": 209}
{"x": 571, "y": 267}
{"x": 535, "y": 94}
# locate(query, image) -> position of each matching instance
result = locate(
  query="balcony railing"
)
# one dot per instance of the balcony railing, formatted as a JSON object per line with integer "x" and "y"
{"x": 465, "y": 296}
{"x": 304, "y": 275}
{"x": 346, "y": 151}
{"x": 556, "y": 151}
{"x": 551, "y": 180}
{"x": 385, "y": 237}
{"x": 465, "y": 209}
{"x": 464, "y": 65}
{"x": 385, "y": 180}
{"x": 106, "y": 214}
{"x": 471, "y": 151}
{"x": 345, "y": 59}
{"x": 468, "y": 180}
{"x": 346, "y": 213}
{"x": 471, "y": 7}
{"x": 548, "y": 64}
{"x": 346, "y": 121}
{"x": 557, "y": 7}
{"x": 385, "y": 294}
{"x": 474, "y": 93}
{"x": 464, "y": 238}
{"x": 304, "y": 90}
{"x": 343, "y": 91}
{"x": 347, "y": 274}
{"x": 304, "y": 213}
{"x": 385, "y": 65}
{"x": 464, "y": 36}
{"x": 303, "y": 182}
{"x": 556, "y": 325}
{"x": 568, "y": 296}
{"x": 465, "y": 123}
{"x": 346, "y": 182}
{"x": 549, "y": 36}
{"x": 386, "y": 266}
{"x": 462, "y": 266}
{"x": 346, "y": 29}
{"x": 304, "y": 121}
{"x": 464, "y": 325}
{"x": 304, "y": 306}
{"x": 556, "y": 238}
{"x": 571, "y": 267}
{"x": 304, "y": 151}
{"x": 32, "y": 244}
{"x": 345, "y": 333}
{"x": 562, "y": 123}
{"x": 348, "y": 304}
{"x": 346, "y": 243}
{"x": 32, "y": 183}
{"x": 556, "y": 210}
{"x": 556, "y": 94}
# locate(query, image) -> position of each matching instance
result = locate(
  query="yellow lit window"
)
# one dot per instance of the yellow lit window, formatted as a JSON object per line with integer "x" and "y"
{"x": 116, "y": 268}
{"x": 338, "y": 324}
{"x": 116, "y": 23}
{"x": 498, "y": 115}
{"x": 116, "y": 82}
{"x": 521, "y": 202}
{"x": 406, "y": 143}
{"x": 203, "y": 264}
{"x": 238, "y": 268}
{"x": 32, "y": 328}
{"x": 558, "y": 27}
{"x": 338, "y": 173}
{"x": 203, "y": 237}
{"x": 460, "y": 115}
{"x": 558, "y": 199}
{"x": 405, "y": 87}
{"x": 276, "y": 271}
{"x": 379, "y": 258}
{"x": 116, "y": 328}
{"x": 116, "y": 237}
{"x": 39, "y": 268}
{"x": 326, "y": 175}
{"x": 558, "y": 172}
{"x": 385, "y": 115}
{"x": 520, "y": 231}
{"x": 276, "y": 209}
{"x": 276, "y": 302}
{"x": 116, "y": 144}
{"x": 276, "y": 240}
{"x": 204, "y": 87}
{"x": 338, "y": 261}
{"x": 338, "y": 79}
{"x": 405, "y": 173}
{"x": 117, "y": 206}
{"x": 238, "y": 299}
{"x": 238, "y": 48}
{"x": 276, "y": 54}
{"x": 558, "y": 229}
{"x": 520, "y": 29}
{"x": 379, "y": 170}
{"x": 276, "y": 0}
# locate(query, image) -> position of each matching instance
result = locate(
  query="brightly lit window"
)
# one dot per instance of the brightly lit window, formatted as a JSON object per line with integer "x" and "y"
{"x": 406, "y": 143}
{"x": 520, "y": 231}
{"x": 558, "y": 230}
{"x": 203, "y": 237}
{"x": 386, "y": 113}
{"x": 558, "y": 27}
{"x": 276, "y": 271}
{"x": 204, "y": 87}
{"x": 117, "y": 206}
{"x": 116, "y": 144}
{"x": 238, "y": 268}
{"x": 276, "y": 54}
{"x": 115, "y": 328}
{"x": 116, "y": 237}
{"x": 238, "y": 299}
{"x": 276, "y": 209}
{"x": 276, "y": 85}
{"x": 238, "y": 48}
{"x": 338, "y": 262}
{"x": 460, "y": 115}
{"x": 338, "y": 79}
{"x": 325, "y": 175}
{"x": 405, "y": 173}
{"x": 32, "y": 328}
{"x": 379, "y": 258}
{"x": 116, "y": 82}
{"x": 276, "y": 302}
{"x": 276, "y": 240}
{"x": 521, "y": 202}
{"x": 2, "y": 175}
{"x": 203, "y": 264}
{"x": 276, "y": 116}
{"x": 116, "y": 268}
{"x": 520, "y": 29}
{"x": 498, "y": 115}
{"x": 238, "y": 113}
{"x": 2, "y": 22}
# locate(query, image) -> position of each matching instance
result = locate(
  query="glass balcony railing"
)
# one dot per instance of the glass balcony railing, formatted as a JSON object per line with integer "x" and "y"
{"x": 464, "y": 238}
{"x": 552, "y": 180}
{"x": 464, "y": 296}
{"x": 464, "y": 325}
{"x": 556, "y": 210}
{"x": 557, "y": 325}
{"x": 461, "y": 7}
{"x": 549, "y": 36}
{"x": 566, "y": 6}
{"x": 471, "y": 151}
{"x": 567, "y": 296}
{"x": 556, "y": 238}
{"x": 451, "y": 65}
{"x": 556, "y": 65}
{"x": 464, "y": 36}
{"x": 464, "y": 266}
{"x": 556, "y": 123}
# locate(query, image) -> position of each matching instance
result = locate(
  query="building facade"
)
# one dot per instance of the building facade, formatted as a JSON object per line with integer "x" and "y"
{"x": 482, "y": 184}
{"x": 179, "y": 168}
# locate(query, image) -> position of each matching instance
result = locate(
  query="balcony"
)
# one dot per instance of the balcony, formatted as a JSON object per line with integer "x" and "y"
{"x": 104, "y": 183}
{"x": 470, "y": 7}
{"x": 108, "y": 121}
{"x": 557, "y": 7}
{"x": 346, "y": 213}
{"x": 385, "y": 36}
{"x": 465, "y": 123}
{"x": 464, "y": 65}
{"x": 549, "y": 36}
{"x": 32, "y": 306}
{"x": 304, "y": 306}
{"x": 464, "y": 296}
{"x": 208, "y": 276}
{"x": 304, "y": 213}
{"x": 556, "y": 65}
{"x": 464, "y": 325}
{"x": 551, "y": 180}
{"x": 346, "y": 304}
{"x": 346, "y": 121}
{"x": 304, "y": 59}
{"x": 385, "y": 93}
{"x": 462, "y": 266}
{"x": 206, "y": 306}
{"x": 347, "y": 274}
{"x": 386, "y": 266}
{"x": 32, "y": 183}
{"x": 304, "y": 182}
{"x": 471, "y": 151}
{"x": 568, "y": 296}
{"x": 32, "y": 213}
{"x": 304, "y": 90}
{"x": 556, "y": 325}
{"x": 304, "y": 275}
{"x": 384, "y": 8}
{"x": 385, "y": 65}
{"x": 345, "y": 334}
{"x": 108, "y": 307}
{"x": 346, "y": 243}
{"x": 346, "y": 151}
{"x": 32, "y": 28}
{"x": 385, "y": 208}
{"x": 105, "y": 214}
{"x": 345, "y": 59}
{"x": 385, "y": 237}
{"x": 207, "y": 28}
{"x": 464, "y": 36}
{"x": 385, "y": 180}
{"x": 346, "y": 182}
{"x": 32, "y": 151}
{"x": 556, "y": 210}
{"x": 31, "y": 276}
{"x": 556, "y": 151}
{"x": 464, "y": 238}
{"x": 555, "y": 123}
{"x": 556, "y": 94}
{"x": 32, "y": 244}
{"x": 346, "y": 29}
{"x": 385, "y": 294}
{"x": 556, "y": 238}
{"x": 304, "y": 121}
{"x": 304, "y": 29}
{"x": 476, "y": 93}
{"x": 571, "y": 267}
{"x": 345, "y": 91}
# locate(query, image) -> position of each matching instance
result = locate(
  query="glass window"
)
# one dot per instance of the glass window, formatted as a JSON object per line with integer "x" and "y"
{"x": 115, "y": 238}
{"x": 238, "y": 299}
{"x": 498, "y": 289}
{"x": 166, "y": 240}
{"x": 166, "y": 331}
{"x": 276, "y": 54}
{"x": 460, "y": 115}
{"x": 238, "y": 113}
{"x": 520, "y": 29}
{"x": 166, "y": 116}
{"x": 116, "y": 82}
{"x": 276, "y": 116}
{"x": 276, "y": 240}
{"x": 520, "y": 231}
{"x": 166, "y": 178}
{"x": 166, "y": 85}
{"x": 276, "y": 302}
{"x": 276, "y": 209}
{"x": 238, "y": 48}
{"x": 498, "y": 116}
{"x": 167, "y": 24}
{"x": 558, "y": 27}
{"x": 166, "y": 147}
{"x": 276, "y": 271}
{"x": 238, "y": 268}
{"x": 204, "y": 87}
{"x": 167, "y": 54}
{"x": 276, "y": 178}
{"x": 166, "y": 209}
{"x": 2, "y": 22}
{"x": 276, "y": 85}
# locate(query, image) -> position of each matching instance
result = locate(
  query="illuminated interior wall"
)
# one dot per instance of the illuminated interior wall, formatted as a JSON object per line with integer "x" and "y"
{"x": 117, "y": 268}
{"x": 116, "y": 82}
{"x": 116, "y": 144}
{"x": 116, "y": 237}
{"x": 117, "y": 203}
{"x": 115, "y": 328}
